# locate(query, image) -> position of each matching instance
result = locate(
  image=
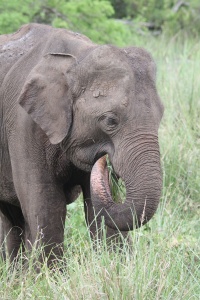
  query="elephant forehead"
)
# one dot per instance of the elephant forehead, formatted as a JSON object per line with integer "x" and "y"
{"x": 99, "y": 87}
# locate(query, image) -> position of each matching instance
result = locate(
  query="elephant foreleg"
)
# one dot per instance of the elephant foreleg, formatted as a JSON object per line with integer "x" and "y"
{"x": 45, "y": 214}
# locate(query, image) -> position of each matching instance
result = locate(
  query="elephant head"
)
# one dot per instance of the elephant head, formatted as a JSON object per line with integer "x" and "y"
{"x": 103, "y": 101}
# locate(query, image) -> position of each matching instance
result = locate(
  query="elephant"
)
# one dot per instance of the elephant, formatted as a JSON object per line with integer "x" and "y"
{"x": 67, "y": 104}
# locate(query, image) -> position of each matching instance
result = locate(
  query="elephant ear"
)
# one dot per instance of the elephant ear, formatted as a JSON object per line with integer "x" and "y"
{"x": 46, "y": 96}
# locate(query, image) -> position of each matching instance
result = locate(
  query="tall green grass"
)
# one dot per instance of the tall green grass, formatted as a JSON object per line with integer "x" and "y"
{"x": 165, "y": 259}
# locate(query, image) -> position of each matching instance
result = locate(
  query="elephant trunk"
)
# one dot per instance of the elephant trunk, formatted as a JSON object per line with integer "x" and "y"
{"x": 140, "y": 169}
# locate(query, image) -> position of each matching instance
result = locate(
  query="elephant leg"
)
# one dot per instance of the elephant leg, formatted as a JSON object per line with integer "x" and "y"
{"x": 114, "y": 238}
{"x": 11, "y": 230}
{"x": 41, "y": 197}
{"x": 45, "y": 214}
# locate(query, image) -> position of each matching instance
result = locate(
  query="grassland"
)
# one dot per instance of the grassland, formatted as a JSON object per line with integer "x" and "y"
{"x": 165, "y": 261}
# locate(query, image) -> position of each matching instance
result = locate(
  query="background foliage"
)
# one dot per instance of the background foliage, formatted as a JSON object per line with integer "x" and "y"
{"x": 104, "y": 21}
{"x": 90, "y": 17}
{"x": 170, "y": 16}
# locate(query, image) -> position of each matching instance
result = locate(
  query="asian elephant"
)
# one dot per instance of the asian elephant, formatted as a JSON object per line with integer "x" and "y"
{"x": 66, "y": 102}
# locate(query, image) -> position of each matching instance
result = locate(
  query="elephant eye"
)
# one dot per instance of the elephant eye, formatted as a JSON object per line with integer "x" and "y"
{"x": 109, "y": 122}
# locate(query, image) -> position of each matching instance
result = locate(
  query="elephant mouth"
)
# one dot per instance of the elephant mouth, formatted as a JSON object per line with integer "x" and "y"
{"x": 102, "y": 155}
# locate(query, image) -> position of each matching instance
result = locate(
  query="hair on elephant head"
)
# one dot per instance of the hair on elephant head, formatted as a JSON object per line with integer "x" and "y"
{"x": 74, "y": 103}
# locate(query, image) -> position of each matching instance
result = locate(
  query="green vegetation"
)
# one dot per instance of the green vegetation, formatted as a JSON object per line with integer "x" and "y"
{"x": 105, "y": 21}
{"x": 90, "y": 17}
{"x": 165, "y": 258}
{"x": 168, "y": 16}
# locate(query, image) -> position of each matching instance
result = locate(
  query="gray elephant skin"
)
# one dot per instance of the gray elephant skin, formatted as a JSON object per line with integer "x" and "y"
{"x": 65, "y": 103}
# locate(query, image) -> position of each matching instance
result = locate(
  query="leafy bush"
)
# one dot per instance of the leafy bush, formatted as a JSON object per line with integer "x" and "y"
{"x": 170, "y": 16}
{"x": 15, "y": 13}
{"x": 92, "y": 18}
{"x": 102, "y": 20}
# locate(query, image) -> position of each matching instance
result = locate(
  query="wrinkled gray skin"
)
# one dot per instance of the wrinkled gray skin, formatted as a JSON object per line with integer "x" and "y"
{"x": 64, "y": 103}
